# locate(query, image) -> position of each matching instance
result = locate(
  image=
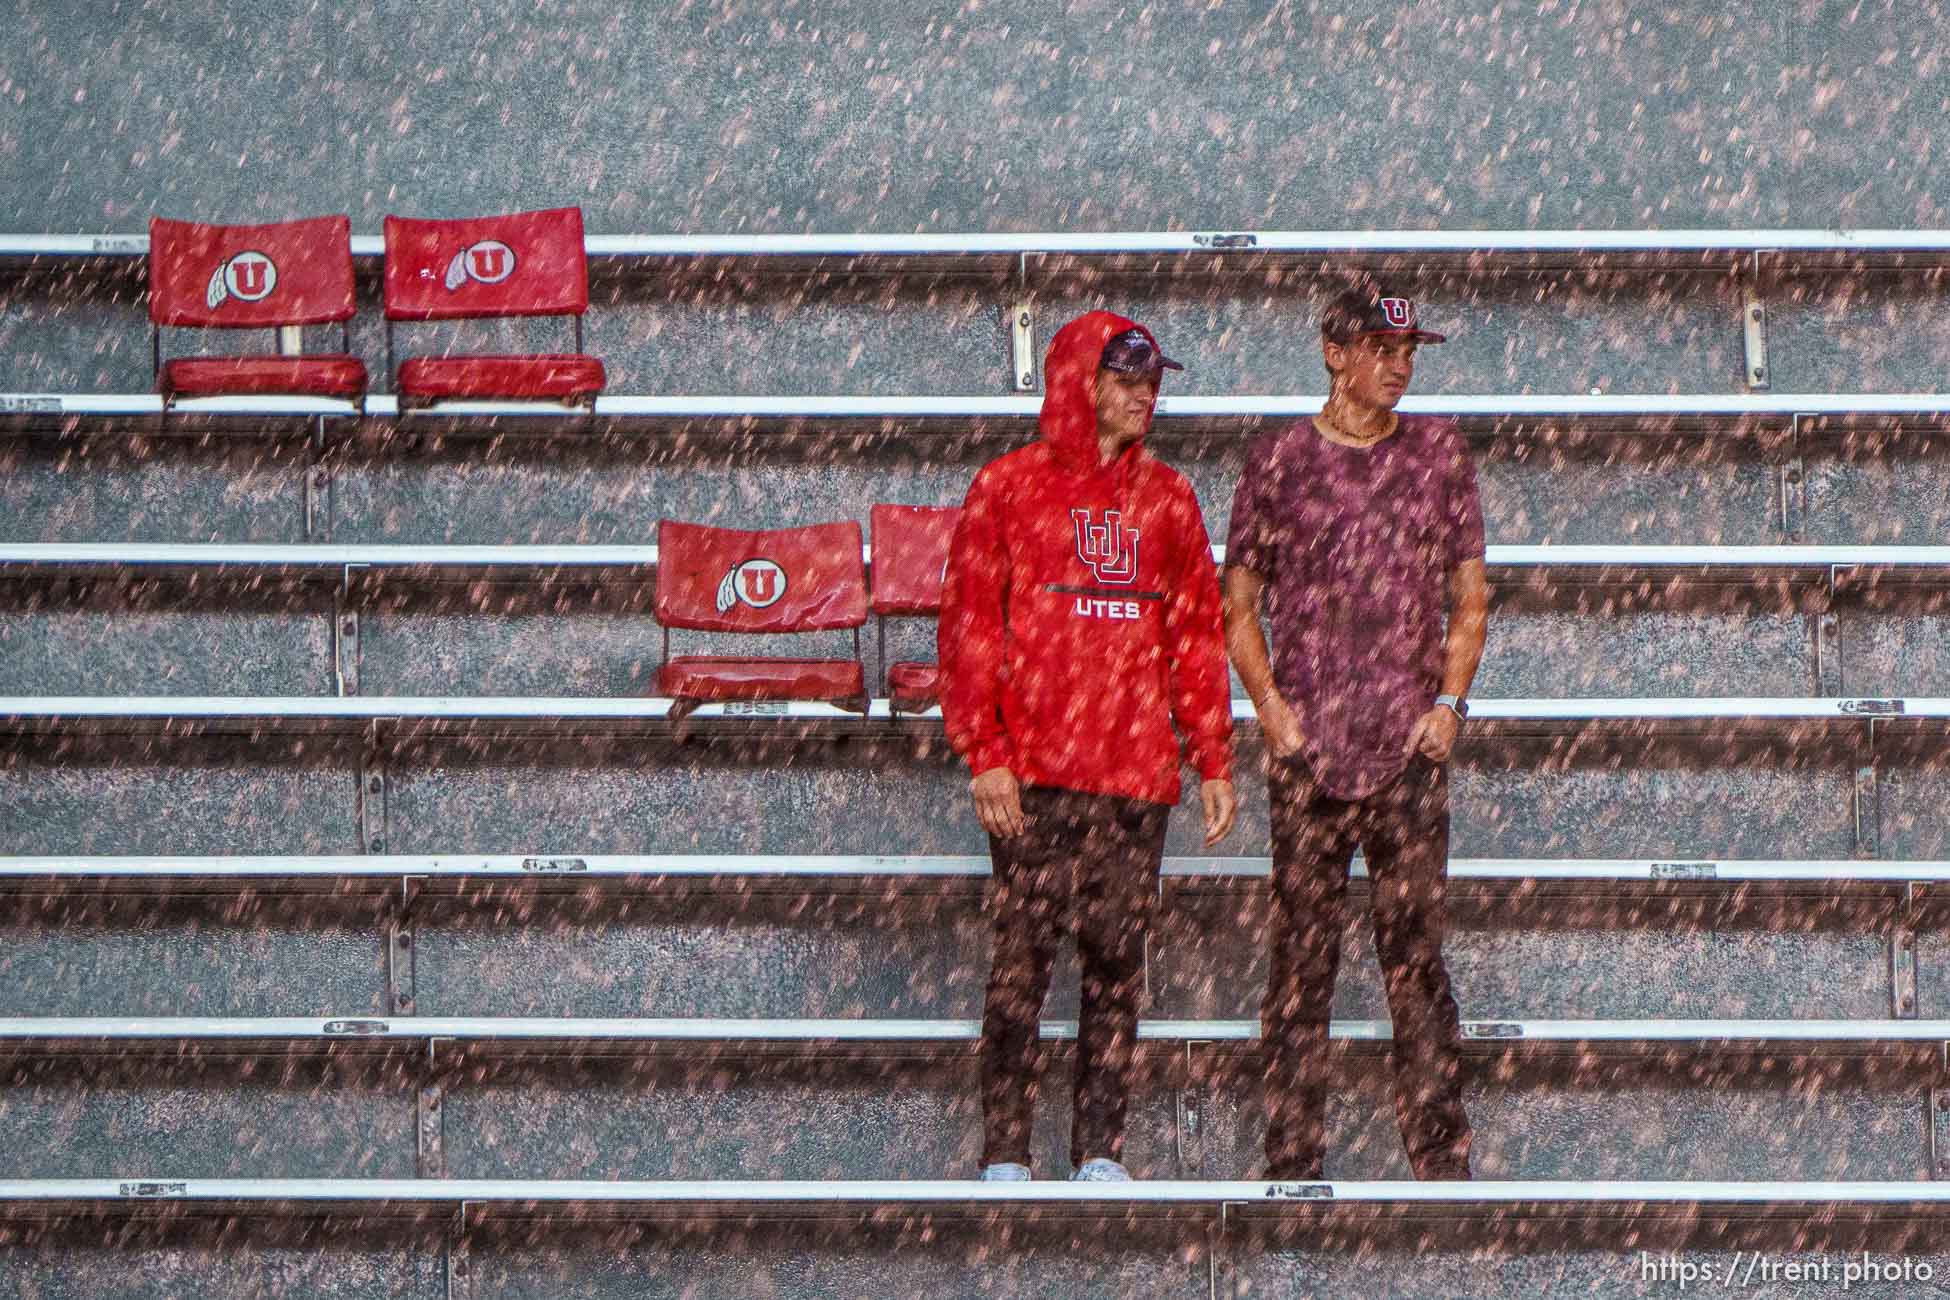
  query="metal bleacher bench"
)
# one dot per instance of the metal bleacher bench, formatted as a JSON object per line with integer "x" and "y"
{"x": 812, "y": 870}
{"x": 477, "y": 1033}
{"x": 535, "y": 563}
{"x": 266, "y": 712}
{"x": 81, "y": 412}
{"x": 470, "y": 1203}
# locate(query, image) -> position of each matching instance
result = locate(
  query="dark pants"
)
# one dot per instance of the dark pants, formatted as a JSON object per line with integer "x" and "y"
{"x": 1088, "y": 865}
{"x": 1403, "y": 829}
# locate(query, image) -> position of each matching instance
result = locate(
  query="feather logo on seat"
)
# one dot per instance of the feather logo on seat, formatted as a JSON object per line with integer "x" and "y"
{"x": 757, "y": 583}
{"x": 248, "y": 276}
{"x": 490, "y": 261}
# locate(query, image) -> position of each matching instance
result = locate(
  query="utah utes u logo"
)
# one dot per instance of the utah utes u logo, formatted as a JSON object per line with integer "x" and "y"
{"x": 757, "y": 583}
{"x": 1110, "y": 549}
{"x": 490, "y": 261}
{"x": 1398, "y": 312}
{"x": 249, "y": 276}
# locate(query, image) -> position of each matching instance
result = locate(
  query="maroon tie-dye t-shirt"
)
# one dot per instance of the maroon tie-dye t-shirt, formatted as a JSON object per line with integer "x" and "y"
{"x": 1357, "y": 547}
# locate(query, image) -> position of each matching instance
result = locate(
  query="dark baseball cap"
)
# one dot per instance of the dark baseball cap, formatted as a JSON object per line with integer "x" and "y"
{"x": 1134, "y": 354}
{"x": 1359, "y": 312}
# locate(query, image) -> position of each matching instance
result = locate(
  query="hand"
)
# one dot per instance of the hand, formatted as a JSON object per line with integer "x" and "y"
{"x": 1280, "y": 727}
{"x": 1220, "y": 808}
{"x": 998, "y": 803}
{"x": 1434, "y": 734}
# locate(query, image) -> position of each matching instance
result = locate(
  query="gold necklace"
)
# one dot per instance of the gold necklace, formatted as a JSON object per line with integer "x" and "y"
{"x": 1334, "y": 430}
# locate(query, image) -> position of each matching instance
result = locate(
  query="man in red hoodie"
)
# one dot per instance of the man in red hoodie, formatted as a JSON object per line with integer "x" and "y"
{"x": 1080, "y": 618}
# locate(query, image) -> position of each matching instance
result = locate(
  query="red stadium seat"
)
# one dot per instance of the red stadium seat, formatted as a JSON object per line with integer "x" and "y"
{"x": 542, "y": 378}
{"x": 913, "y": 687}
{"x": 910, "y": 555}
{"x": 784, "y": 580}
{"x": 254, "y": 277}
{"x": 524, "y": 264}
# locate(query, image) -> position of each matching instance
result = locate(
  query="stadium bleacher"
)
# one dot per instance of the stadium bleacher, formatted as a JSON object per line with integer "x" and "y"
{"x": 372, "y": 883}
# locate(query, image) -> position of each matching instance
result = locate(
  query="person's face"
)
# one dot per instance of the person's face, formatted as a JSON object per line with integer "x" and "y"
{"x": 1374, "y": 370}
{"x": 1124, "y": 402}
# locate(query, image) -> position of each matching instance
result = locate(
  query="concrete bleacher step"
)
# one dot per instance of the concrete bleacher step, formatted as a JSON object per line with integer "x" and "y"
{"x": 1663, "y": 780}
{"x": 903, "y": 936}
{"x": 815, "y": 936}
{"x": 471, "y": 1240}
{"x": 1763, "y": 484}
{"x": 1681, "y": 795}
{"x": 1691, "y": 807}
{"x": 384, "y": 1097}
{"x": 108, "y": 619}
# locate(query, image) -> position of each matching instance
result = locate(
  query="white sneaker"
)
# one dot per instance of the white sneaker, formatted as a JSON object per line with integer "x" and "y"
{"x": 1101, "y": 1170}
{"x": 1004, "y": 1171}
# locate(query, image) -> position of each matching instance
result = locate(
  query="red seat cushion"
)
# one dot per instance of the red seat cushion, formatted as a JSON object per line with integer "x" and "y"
{"x": 322, "y": 375}
{"x": 564, "y": 378}
{"x": 729, "y": 677}
{"x": 914, "y": 685}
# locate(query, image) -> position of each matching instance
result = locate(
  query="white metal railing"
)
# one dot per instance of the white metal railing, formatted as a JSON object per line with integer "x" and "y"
{"x": 405, "y": 708}
{"x": 702, "y": 1200}
{"x": 544, "y": 558}
{"x": 650, "y": 1032}
{"x": 1734, "y": 242}
{"x": 918, "y": 867}
{"x": 1470, "y": 408}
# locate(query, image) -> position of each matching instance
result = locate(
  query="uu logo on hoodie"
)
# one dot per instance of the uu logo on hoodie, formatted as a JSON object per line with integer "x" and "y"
{"x": 1108, "y": 548}
{"x": 757, "y": 583}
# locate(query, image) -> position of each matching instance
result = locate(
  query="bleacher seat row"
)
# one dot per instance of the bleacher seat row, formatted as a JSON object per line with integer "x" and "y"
{"x": 289, "y": 274}
{"x": 296, "y": 273}
{"x": 797, "y": 580}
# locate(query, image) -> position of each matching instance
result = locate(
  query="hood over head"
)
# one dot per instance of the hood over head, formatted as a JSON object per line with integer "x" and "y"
{"x": 1069, "y": 416}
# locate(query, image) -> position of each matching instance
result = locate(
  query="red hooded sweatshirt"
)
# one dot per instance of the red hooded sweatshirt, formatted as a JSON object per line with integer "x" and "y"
{"x": 1080, "y": 614}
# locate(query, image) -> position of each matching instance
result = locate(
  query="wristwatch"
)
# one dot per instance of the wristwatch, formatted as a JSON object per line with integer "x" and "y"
{"x": 1455, "y": 704}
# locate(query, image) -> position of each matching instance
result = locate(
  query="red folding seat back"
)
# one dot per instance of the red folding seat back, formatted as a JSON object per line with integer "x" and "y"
{"x": 250, "y": 277}
{"x": 810, "y": 579}
{"x": 206, "y": 276}
{"x": 523, "y": 264}
{"x": 910, "y": 557}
